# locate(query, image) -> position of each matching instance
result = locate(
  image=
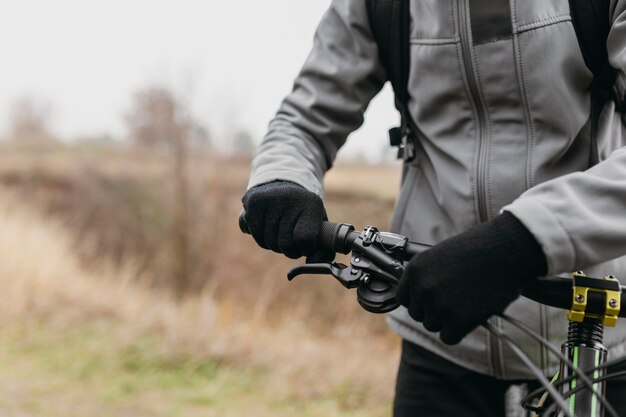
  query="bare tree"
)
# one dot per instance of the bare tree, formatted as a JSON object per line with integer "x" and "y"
{"x": 29, "y": 120}
{"x": 159, "y": 121}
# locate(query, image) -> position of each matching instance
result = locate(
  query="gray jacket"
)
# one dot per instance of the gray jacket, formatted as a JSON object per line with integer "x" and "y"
{"x": 503, "y": 111}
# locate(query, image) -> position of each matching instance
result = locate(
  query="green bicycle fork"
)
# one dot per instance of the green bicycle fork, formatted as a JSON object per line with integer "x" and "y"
{"x": 585, "y": 349}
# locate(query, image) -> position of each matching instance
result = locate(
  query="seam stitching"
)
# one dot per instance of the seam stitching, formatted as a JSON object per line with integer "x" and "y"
{"x": 543, "y": 23}
{"x": 434, "y": 41}
{"x": 530, "y": 128}
{"x": 513, "y": 5}
{"x": 459, "y": 60}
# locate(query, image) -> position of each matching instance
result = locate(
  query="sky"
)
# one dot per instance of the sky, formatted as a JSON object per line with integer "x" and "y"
{"x": 232, "y": 62}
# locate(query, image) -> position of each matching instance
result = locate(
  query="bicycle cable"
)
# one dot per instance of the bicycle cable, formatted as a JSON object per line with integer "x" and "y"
{"x": 558, "y": 398}
{"x": 578, "y": 373}
{"x": 570, "y": 378}
{"x": 578, "y": 389}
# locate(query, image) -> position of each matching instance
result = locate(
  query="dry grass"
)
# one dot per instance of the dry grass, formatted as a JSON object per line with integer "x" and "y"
{"x": 68, "y": 332}
{"x": 380, "y": 182}
{"x": 117, "y": 205}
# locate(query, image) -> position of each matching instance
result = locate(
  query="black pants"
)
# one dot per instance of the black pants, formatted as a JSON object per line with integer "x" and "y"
{"x": 430, "y": 386}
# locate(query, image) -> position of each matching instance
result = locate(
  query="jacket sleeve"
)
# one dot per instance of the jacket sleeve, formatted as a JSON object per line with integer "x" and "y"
{"x": 580, "y": 218}
{"x": 339, "y": 78}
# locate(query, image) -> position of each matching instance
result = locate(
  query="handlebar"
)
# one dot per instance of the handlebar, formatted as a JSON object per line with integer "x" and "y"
{"x": 552, "y": 291}
{"x": 339, "y": 238}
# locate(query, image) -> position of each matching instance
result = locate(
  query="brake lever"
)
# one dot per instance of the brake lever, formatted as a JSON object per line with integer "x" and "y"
{"x": 373, "y": 271}
{"x": 348, "y": 277}
{"x": 375, "y": 287}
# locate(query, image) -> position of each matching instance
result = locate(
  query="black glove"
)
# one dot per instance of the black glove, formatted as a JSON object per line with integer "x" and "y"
{"x": 461, "y": 282}
{"x": 286, "y": 218}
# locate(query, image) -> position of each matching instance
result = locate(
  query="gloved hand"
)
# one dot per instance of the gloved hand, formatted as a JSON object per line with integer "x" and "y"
{"x": 462, "y": 281}
{"x": 284, "y": 217}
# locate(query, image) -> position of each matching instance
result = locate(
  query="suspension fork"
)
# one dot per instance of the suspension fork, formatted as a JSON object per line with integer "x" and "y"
{"x": 585, "y": 349}
{"x": 584, "y": 346}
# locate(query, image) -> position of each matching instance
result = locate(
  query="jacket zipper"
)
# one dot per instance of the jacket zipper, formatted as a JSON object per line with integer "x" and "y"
{"x": 483, "y": 138}
{"x": 463, "y": 16}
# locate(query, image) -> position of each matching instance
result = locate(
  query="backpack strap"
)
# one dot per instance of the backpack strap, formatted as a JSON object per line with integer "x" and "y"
{"x": 590, "y": 19}
{"x": 390, "y": 24}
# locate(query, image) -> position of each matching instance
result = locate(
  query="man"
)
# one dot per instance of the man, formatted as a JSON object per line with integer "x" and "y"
{"x": 507, "y": 183}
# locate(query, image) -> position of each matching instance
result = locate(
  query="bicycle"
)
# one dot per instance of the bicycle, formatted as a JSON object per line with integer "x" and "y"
{"x": 577, "y": 390}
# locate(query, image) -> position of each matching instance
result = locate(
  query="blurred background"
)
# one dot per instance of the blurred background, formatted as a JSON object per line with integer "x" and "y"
{"x": 126, "y": 134}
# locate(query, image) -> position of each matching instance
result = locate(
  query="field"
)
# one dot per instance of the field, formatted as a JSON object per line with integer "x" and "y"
{"x": 95, "y": 321}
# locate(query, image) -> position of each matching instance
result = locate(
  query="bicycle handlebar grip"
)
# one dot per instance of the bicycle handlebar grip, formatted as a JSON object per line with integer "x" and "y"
{"x": 328, "y": 236}
{"x": 333, "y": 236}
{"x": 243, "y": 225}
